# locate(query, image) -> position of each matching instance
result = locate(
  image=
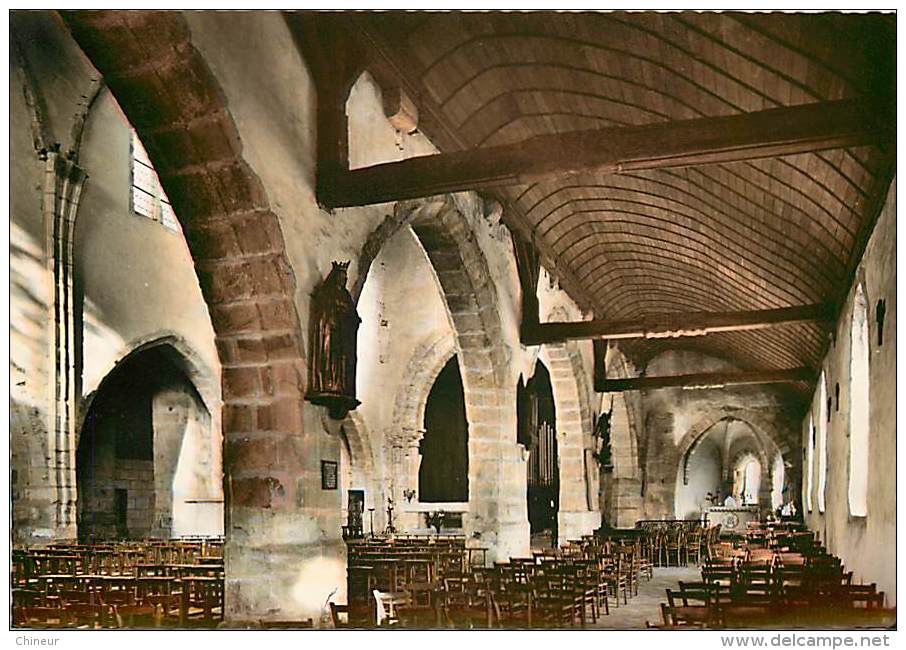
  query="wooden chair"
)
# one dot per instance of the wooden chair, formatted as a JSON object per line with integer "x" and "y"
{"x": 617, "y": 579}
{"x": 339, "y": 615}
{"x": 85, "y": 615}
{"x": 384, "y": 609}
{"x": 39, "y": 617}
{"x": 582, "y": 580}
{"x": 556, "y": 605}
{"x": 137, "y": 617}
{"x": 694, "y": 543}
{"x": 690, "y": 608}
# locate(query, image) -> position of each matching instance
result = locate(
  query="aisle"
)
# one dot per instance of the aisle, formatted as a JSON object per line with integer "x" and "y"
{"x": 646, "y": 606}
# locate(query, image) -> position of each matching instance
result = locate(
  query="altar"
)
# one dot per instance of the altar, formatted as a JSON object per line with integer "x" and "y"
{"x": 732, "y": 519}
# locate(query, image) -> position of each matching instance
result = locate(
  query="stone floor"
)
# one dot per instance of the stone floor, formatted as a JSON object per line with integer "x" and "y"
{"x": 646, "y": 606}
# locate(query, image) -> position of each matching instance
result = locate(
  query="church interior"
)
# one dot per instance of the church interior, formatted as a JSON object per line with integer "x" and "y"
{"x": 452, "y": 320}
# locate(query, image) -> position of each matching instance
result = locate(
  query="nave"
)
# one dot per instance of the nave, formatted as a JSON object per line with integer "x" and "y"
{"x": 449, "y": 319}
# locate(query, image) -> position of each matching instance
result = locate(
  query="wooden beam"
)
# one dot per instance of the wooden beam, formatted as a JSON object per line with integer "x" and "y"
{"x": 335, "y": 62}
{"x": 763, "y": 134}
{"x": 675, "y": 325}
{"x": 704, "y": 380}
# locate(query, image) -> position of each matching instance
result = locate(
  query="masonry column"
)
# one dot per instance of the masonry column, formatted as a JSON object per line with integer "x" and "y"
{"x": 63, "y": 182}
{"x": 498, "y": 516}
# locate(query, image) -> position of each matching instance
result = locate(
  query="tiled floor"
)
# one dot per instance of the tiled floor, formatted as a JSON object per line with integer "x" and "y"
{"x": 646, "y": 606}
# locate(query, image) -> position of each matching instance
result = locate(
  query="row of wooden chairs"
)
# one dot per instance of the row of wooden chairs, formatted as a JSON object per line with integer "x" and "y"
{"x": 754, "y": 586}
{"x": 126, "y": 584}
{"x": 679, "y": 543}
{"x": 411, "y": 583}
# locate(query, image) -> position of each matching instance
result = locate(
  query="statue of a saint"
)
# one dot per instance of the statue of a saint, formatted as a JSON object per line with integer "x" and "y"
{"x": 333, "y": 327}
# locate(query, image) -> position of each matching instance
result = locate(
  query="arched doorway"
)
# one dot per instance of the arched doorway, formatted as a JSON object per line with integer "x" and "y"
{"x": 537, "y": 432}
{"x": 145, "y": 465}
{"x": 443, "y": 474}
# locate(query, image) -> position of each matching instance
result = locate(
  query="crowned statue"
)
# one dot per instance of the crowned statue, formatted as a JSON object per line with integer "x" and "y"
{"x": 333, "y": 327}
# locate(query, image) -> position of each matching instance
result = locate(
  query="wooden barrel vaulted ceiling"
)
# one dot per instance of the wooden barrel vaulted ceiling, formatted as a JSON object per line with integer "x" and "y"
{"x": 755, "y": 234}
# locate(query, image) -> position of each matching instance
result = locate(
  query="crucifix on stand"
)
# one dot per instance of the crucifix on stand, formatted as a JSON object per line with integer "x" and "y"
{"x": 390, "y": 530}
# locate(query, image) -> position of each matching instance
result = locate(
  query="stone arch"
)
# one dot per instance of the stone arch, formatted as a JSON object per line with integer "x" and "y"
{"x": 357, "y": 438}
{"x": 577, "y": 514}
{"x": 359, "y": 441}
{"x": 391, "y": 225}
{"x": 767, "y": 441}
{"x": 178, "y": 463}
{"x": 497, "y": 515}
{"x": 171, "y": 97}
{"x": 445, "y": 229}
{"x": 765, "y": 436}
{"x": 198, "y": 372}
{"x": 624, "y": 439}
{"x": 424, "y": 365}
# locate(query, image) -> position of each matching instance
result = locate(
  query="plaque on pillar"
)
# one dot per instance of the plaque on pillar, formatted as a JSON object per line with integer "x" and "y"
{"x": 333, "y": 327}
{"x": 329, "y": 471}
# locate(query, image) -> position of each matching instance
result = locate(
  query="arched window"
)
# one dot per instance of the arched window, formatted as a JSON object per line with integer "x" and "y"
{"x": 859, "y": 420}
{"x": 809, "y": 458}
{"x": 822, "y": 440}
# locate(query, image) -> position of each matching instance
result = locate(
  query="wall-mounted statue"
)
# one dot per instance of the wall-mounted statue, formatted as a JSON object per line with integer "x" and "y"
{"x": 333, "y": 327}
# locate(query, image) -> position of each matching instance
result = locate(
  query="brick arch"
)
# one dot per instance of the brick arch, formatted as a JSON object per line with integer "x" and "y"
{"x": 172, "y": 99}
{"x": 170, "y": 96}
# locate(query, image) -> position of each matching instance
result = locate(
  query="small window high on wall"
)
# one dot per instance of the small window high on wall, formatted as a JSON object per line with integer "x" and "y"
{"x": 809, "y": 464}
{"x": 148, "y": 197}
{"x": 859, "y": 413}
{"x": 822, "y": 440}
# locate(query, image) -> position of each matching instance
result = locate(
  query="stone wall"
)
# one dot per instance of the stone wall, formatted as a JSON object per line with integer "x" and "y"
{"x": 867, "y": 544}
{"x": 231, "y": 131}
{"x": 675, "y": 420}
{"x": 85, "y": 292}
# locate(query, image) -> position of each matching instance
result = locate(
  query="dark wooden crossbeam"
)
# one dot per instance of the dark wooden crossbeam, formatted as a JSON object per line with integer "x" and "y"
{"x": 705, "y": 380}
{"x": 674, "y": 325}
{"x": 612, "y": 150}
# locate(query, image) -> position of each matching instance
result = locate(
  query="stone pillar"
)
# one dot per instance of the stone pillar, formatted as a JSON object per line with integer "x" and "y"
{"x": 574, "y": 519}
{"x": 498, "y": 515}
{"x": 623, "y": 501}
{"x": 662, "y": 463}
{"x": 63, "y": 182}
{"x": 764, "y": 488}
{"x": 284, "y": 553}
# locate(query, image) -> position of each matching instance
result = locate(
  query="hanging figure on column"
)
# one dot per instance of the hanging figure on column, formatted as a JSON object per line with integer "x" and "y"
{"x": 333, "y": 328}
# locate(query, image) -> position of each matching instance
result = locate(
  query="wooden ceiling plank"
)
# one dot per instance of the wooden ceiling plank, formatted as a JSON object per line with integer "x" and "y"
{"x": 674, "y": 325}
{"x": 769, "y": 133}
